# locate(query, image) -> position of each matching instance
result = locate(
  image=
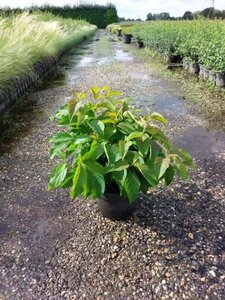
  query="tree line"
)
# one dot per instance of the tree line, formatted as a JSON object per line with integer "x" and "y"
{"x": 209, "y": 12}
{"x": 99, "y": 15}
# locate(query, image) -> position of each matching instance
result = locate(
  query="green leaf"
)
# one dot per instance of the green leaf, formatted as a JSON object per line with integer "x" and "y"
{"x": 56, "y": 150}
{"x": 98, "y": 126}
{"x": 125, "y": 106}
{"x": 95, "y": 152}
{"x": 161, "y": 165}
{"x": 148, "y": 172}
{"x": 169, "y": 175}
{"x": 95, "y": 92}
{"x": 135, "y": 135}
{"x": 132, "y": 186}
{"x": 68, "y": 181}
{"x": 120, "y": 178}
{"x": 156, "y": 116}
{"x": 185, "y": 156}
{"x": 96, "y": 184}
{"x": 79, "y": 181}
{"x": 160, "y": 136}
{"x": 126, "y": 127}
{"x": 60, "y": 137}
{"x": 180, "y": 169}
{"x": 110, "y": 130}
{"x": 57, "y": 176}
{"x": 124, "y": 147}
{"x": 143, "y": 146}
{"x": 71, "y": 107}
{"x": 64, "y": 120}
{"x": 113, "y": 153}
{"x": 82, "y": 140}
{"x": 99, "y": 186}
{"x": 117, "y": 166}
{"x": 94, "y": 166}
{"x": 114, "y": 93}
{"x": 154, "y": 150}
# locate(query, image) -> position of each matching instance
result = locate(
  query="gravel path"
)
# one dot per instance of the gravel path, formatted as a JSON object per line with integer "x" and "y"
{"x": 173, "y": 245}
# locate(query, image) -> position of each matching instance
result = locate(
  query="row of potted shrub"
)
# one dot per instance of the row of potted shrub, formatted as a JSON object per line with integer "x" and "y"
{"x": 195, "y": 68}
{"x": 201, "y": 43}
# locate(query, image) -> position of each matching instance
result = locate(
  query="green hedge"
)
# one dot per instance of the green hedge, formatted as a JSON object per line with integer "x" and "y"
{"x": 99, "y": 15}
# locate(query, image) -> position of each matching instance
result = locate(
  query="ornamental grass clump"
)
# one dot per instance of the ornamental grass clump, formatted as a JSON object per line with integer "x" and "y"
{"x": 107, "y": 146}
{"x": 26, "y": 39}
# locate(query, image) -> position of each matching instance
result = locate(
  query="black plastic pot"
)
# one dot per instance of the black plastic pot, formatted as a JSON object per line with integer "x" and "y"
{"x": 172, "y": 58}
{"x": 206, "y": 73}
{"x": 119, "y": 32}
{"x": 127, "y": 38}
{"x": 194, "y": 68}
{"x": 201, "y": 70}
{"x": 115, "y": 207}
{"x": 140, "y": 44}
{"x": 212, "y": 75}
{"x": 220, "y": 79}
{"x": 185, "y": 63}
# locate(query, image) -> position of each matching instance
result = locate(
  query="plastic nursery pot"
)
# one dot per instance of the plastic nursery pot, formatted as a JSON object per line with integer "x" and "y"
{"x": 206, "y": 73}
{"x": 220, "y": 79}
{"x": 115, "y": 207}
{"x": 127, "y": 38}
{"x": 194, "y": 68}
{"x": 212, "y": 75}
{"x": 119, "y": 32}
{"x": 140, "y": 44}
{"x": 201, "y": 70}
{"x": 185, "y": 63}
{"x": 172, "y": 58}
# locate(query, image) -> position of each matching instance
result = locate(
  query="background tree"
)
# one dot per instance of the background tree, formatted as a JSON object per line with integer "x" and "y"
{"x": 149, "y": 17}
{"x": 111, "y": 16}
{"x": 188, "y": 15}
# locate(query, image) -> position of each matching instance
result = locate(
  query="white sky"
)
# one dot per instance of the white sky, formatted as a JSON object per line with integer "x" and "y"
{"x": 131, "y": 8}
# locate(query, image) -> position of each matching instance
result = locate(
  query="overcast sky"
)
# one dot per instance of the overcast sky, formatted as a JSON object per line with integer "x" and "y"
{"x": 131, "y": 8}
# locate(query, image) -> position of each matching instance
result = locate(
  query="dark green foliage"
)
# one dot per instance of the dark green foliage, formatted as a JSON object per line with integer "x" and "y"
{"x": 99, "y": 15}
{"x": 188, "y": 15}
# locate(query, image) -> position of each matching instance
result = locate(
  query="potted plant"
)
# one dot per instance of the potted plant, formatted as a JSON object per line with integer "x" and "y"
{"x": 119, "y": 32}
{"x": 109, "y": 151}
{"x": 126, "y": 30}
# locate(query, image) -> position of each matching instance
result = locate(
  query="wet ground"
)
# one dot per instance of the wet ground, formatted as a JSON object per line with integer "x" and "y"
{"x": 173, "y": 245}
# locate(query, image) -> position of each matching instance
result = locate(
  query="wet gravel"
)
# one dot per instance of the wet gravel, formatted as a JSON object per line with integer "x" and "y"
{"x": 172, "y": 247}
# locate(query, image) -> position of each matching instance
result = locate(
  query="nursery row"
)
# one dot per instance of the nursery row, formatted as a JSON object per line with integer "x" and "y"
{"x": 25, "y": 40}
{"x": 198, "y": 41}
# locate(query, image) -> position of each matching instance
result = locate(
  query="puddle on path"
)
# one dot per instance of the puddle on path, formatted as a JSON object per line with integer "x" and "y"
{"x": 122, "y": 55}
{"x": 202, "y": 142}
{"x": 141, "y": 76}
{"x": 86, "y": 61}
{"x": 169, "y": 104}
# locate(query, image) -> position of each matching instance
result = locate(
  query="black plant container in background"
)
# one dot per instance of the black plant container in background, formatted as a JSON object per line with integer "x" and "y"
{"x": 119, "y": 32}
{"x": 140, "y": 43}
{"x": 194, "y": 68}
{"x": 220, "y": 79}
{"x": 127, "y": 38}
